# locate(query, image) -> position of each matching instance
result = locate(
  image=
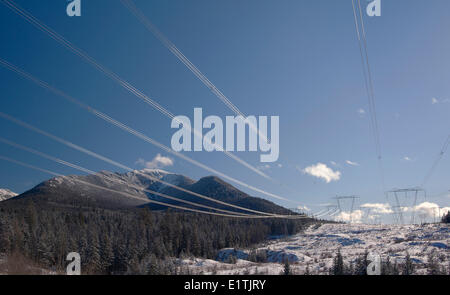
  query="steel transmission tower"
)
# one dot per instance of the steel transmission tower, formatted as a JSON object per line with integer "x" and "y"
{"x": 340, "y": 199}
{"x": 396, "y": 195}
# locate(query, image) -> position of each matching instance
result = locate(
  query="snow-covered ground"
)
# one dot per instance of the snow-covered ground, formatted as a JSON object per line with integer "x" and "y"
{"x": 316, "y": 247}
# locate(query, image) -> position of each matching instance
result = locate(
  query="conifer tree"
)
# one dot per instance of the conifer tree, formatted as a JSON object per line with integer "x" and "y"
{"x": 338, "y": 264}
{"x": 287, "y": 267}
{"x": 408, "y": 268}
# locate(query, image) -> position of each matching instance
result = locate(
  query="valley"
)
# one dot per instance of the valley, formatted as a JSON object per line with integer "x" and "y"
{"x": 314, "y": 250}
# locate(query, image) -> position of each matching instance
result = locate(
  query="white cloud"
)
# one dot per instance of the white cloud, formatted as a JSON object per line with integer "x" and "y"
{"x": 405, "y": 209}
{"x": 361, "y": 112}
{"x": 157, "y": 162}
{"x": 407, "y": 159}
{"x": 280, "y": 165}
{"x": 378, "y": 208}
{"x": 428, "y": 209}
{"x": 373, "y": 217}
{"x": 352, "y": 163}
{"x": 434, "y": 100}
{"x": 334, "y": 163}
{"x": 321, "y": 170}
{"x": 303, "y": 208}
{"x": 354, "y": 217}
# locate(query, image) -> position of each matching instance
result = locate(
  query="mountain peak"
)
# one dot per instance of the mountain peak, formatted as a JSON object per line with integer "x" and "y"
{"x": 155, "y": 171}
{"x": 214, "y": 180}
{"x": 6, "y": 194}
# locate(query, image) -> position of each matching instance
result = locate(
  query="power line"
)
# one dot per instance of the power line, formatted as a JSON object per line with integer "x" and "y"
{"x": 368, "y": 81}
{"x": 57, "y": 37}
{"x": 335, "y": 212}
{"x": 132, "y": 131}
{"x": 54, "y": 35}
{"x": 129, "y": 4}
{"x": 436, "y": 162}
{"x": 119, "y": 165}
{"x": 399, "y": 207}
{"x": 328, "y": 212}
{"x": 133, "y": 196}
{"x": 74, "y": 166}
{"x": 339, "y": 205}
{"x": 172, "y": 48}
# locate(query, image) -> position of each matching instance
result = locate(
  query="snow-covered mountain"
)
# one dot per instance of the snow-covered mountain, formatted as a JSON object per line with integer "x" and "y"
{"x": 6, "y": 194}
{"x": 74, "y": 191}
{"x": 77, "y": 191}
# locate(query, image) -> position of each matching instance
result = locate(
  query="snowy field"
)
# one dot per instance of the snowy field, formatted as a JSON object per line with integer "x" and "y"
{"x": 316, "y": 247}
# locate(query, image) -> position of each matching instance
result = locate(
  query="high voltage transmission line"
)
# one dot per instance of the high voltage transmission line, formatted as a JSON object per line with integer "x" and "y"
{"x": 339, "y": 204}
{"x": 128, "y": 195}
{"x": 368, "y": 82}
{"x": 136, "y": 92}
{"x": 77, "y": 167}
{"x": 82, "y": 169}
{"x": 400, "y": 205}
{"x": 175, "y": 51}
{"x": 129, "y": 4}
{"x": 119, "y": 165}
{"x": 128, "y": 129}
{"x": 436, "y": 162}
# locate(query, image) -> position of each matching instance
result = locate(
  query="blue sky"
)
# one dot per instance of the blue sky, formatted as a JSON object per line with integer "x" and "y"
{"x": 298, "y": 60}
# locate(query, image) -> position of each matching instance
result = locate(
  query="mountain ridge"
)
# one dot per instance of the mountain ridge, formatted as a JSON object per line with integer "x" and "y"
{"x": 72, "y": 190}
